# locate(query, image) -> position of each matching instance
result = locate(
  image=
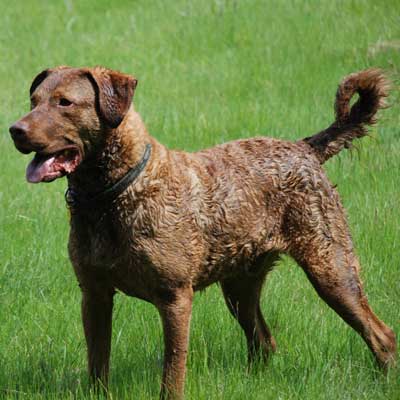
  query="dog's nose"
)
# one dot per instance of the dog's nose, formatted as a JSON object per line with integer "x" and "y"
{"x": 18, "y": 130}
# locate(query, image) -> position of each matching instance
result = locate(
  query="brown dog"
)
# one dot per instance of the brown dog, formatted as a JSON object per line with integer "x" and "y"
{"x": 160, "y": 224}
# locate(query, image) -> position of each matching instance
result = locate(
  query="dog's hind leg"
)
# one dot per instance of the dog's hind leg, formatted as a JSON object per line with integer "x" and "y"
{"x": 242, "y": 296}
{"x": 332, "y": 268}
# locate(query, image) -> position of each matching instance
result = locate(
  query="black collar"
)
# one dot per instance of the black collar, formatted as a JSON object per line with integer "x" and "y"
{"x": 77, "y": 199}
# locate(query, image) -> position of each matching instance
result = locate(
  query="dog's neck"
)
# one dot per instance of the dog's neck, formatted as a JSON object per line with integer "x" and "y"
{"x": 123, "y": 149}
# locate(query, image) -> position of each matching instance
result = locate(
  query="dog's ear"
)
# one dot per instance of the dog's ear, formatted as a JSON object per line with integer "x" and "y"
{"x": 114, "y": 93}
{"x": 38, "y": 80}
{"x": 42, "y": 76}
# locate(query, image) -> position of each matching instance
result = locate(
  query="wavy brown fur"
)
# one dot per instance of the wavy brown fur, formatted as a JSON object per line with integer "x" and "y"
{"x": 223, "y": 214}
{"x": 351, "y": 123}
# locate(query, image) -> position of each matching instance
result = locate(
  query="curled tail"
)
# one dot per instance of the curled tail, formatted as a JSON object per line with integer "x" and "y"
{"x": 351, "y": 122}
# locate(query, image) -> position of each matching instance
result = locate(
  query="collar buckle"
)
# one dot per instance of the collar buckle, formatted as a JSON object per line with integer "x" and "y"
{"x": 70, "y": 198}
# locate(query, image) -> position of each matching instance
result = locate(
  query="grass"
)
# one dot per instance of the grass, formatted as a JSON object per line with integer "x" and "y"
{"x": 209, "y": 71}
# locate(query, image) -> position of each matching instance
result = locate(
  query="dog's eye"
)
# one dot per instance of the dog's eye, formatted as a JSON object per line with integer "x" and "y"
{"x": 63, "y": 102}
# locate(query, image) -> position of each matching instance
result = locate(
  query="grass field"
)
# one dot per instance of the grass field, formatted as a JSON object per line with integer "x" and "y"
{"x": 208, "y": 71}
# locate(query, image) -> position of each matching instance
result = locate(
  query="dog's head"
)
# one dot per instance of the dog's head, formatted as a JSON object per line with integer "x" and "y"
{"x": 72, "y": 110}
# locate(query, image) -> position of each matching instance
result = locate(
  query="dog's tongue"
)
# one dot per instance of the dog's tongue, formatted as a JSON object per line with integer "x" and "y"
{"x": 39, "y": 168}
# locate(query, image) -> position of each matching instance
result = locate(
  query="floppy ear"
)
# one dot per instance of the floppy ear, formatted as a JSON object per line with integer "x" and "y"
{"x": 42, "y": 76}
{"x": 114, "y": 92}
{"x": 38, "y": 80}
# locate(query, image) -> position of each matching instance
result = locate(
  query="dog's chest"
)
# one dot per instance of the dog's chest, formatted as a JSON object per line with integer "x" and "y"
{"x": 106, "y": 249}
{"x": 96, "y": 243}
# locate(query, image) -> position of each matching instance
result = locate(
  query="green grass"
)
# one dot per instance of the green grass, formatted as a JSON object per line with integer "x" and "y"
{"x": 208, "y": 71}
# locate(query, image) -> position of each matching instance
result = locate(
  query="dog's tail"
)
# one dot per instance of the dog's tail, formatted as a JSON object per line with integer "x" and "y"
{"x": 351, "y": 122}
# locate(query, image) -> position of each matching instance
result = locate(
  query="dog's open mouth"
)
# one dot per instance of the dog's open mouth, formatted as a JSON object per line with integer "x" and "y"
{"x": 48, "y": 167}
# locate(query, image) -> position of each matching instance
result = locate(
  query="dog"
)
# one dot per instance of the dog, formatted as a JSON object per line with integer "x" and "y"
{"x": 160, "y": 225}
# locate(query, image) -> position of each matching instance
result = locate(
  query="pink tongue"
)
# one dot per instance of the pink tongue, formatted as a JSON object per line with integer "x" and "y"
{"x": 37, "y": 170}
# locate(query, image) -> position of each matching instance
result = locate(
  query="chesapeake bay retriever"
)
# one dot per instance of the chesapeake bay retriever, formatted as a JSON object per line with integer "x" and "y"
{"x": 159, "y": 224}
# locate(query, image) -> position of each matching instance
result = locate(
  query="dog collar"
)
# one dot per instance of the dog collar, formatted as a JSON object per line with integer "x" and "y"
{"x": 75, "y": 199}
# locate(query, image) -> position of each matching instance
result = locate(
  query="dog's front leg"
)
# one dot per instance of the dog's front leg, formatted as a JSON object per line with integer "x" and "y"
{"x": 175, "y": 311}
{"x": 97, "y": 320}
